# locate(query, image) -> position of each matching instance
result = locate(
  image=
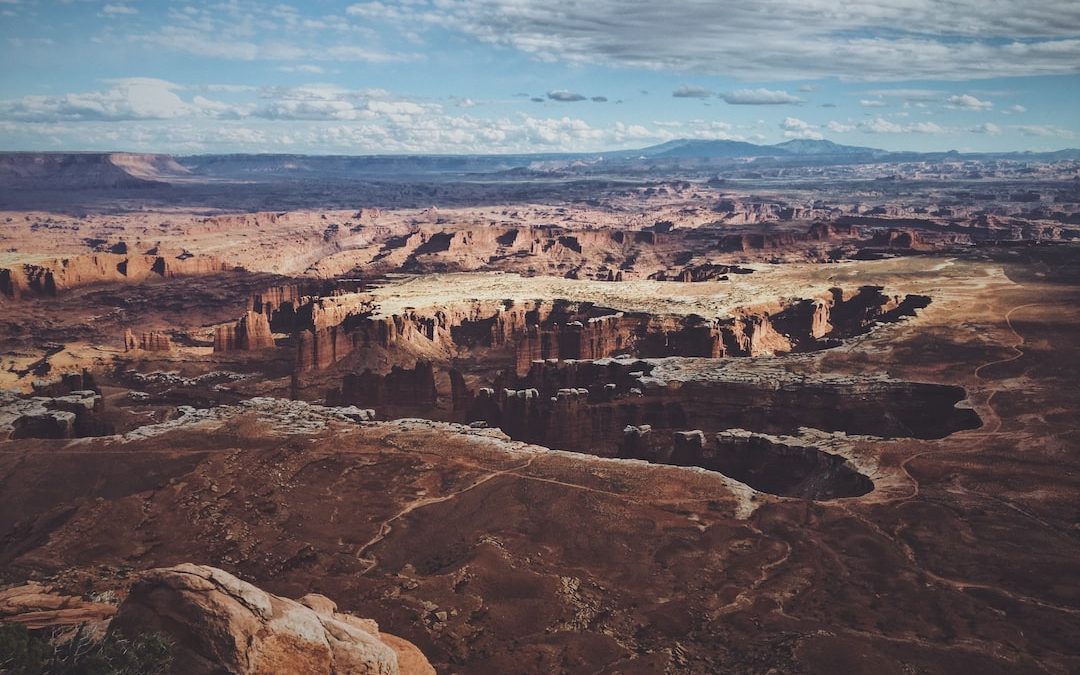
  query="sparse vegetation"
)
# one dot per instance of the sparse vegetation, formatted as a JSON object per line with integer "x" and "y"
{"x": 79, "y": 652}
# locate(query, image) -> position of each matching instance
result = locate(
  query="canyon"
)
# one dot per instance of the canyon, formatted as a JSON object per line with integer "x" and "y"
{"x": 679, "y": 418}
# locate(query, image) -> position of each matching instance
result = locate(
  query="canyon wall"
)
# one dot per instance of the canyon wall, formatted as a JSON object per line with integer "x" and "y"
{"x": 51, "y": 276}
{"x": 586, "y": 406}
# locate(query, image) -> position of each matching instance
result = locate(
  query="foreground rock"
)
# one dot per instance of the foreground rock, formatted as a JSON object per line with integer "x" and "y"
{"x": 37, "y": 606}
{"x": 222, "y": 624}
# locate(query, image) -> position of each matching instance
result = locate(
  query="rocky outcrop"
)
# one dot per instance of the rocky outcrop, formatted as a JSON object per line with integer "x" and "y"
{"x": 65, "y": 383}
{"x": 70, "y": 415}
{"x": 222, "y": 624}
{"x": 251, "y": 332}
{"x": 698, "y": 273}
{"x": 279, "y": 304}
{"x": 897, "y": 238}
{"x": 153, "y": 341}
{"x": 37, "y": 606}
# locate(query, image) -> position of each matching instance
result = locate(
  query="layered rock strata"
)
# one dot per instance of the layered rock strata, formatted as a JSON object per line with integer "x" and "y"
{"x": 47, "y": 277}
{"x": 152, "y": 341}
{"x": 250, "y": 333}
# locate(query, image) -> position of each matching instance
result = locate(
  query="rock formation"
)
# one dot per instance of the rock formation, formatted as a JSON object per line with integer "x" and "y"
{"x": 37, "y": 605}
{"x": 779, "y": 466}
{"x": 48, "y": 277}
{"x": 153, "y": 341}
{"x": 410, "y": 387}
{"x": 222, "y": 624}
{"x": 251, "y": 332}
{"x": 69, "y": 415}
{"x": 631, "y": 408}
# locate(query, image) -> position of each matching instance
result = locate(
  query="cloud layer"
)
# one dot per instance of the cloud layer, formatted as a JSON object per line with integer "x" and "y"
{"x": 771, "y": 39}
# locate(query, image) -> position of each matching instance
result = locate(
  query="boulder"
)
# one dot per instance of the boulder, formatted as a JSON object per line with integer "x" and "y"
{"x": 222, "y": 624}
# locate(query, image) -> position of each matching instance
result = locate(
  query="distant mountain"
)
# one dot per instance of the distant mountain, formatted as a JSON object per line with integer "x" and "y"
{"x": 122, "y": 171}
{"x": 684, "y": 148}
{"x": 801, "y": 146}
{"x": 254, "y": 166}
{"x": 817, "y": 152}
{"x": 691, "y": 148}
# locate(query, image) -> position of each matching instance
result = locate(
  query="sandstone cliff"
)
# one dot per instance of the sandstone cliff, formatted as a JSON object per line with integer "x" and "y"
{"x": 153, "y": 341}
{"x": 49, "y": 276}
{"x": 251, "y": 332}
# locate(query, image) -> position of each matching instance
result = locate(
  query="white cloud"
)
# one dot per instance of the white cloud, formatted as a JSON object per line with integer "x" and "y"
{"x": 308, "y": 68}
{"x": 118, "y": 10}
{"x": 967, "y": 102}
{"x": 909, "y": 95}
{"x": 880, "y": 125}
{"x": 1043, "y": 130}
{"x": 325, "y": 119}
{"x": 1014, "y": 109}
{"x": 796, "y": 128}
{"x": 125, "y": 99}
{"x": 564, "y": 96}
{"x": 871, "y": 40}
{"x": 873, "y": 103}
{"x": 840, "y": 127}
{"x": 986, "y": 128}
{"x": 246, "y": 31}
{"x": 691, "y": 91}
{"x": 759, "y": 97}
{"x": 395, "y": 108}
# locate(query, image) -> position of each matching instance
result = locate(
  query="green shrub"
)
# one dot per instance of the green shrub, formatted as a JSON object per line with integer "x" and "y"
{"x": 25, "y": 653}
{"x": 21, "y": 653}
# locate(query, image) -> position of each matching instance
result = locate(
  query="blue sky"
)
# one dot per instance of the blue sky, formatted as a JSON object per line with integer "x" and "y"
{"x": 453, "y": 76}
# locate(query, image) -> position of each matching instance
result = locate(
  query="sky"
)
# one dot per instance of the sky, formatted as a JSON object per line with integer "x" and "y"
{"x": 510, "y": 76}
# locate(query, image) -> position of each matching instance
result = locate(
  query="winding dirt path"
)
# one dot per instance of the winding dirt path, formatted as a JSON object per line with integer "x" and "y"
{"x": 1016, "y": 347}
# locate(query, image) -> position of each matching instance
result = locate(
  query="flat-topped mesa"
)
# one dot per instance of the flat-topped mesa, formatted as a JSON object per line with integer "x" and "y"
{"x": 251, "y": 332}
{"x": 47, "y": 277}
{"x": 152, "y": 341}
{"x": 512, "y": 334}
{"x": 761, "y": 241}
{"x": 86, "y": 170}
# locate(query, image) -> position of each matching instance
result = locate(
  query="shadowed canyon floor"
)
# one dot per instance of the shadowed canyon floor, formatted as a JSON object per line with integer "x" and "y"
{"x": 562, "y": 450}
